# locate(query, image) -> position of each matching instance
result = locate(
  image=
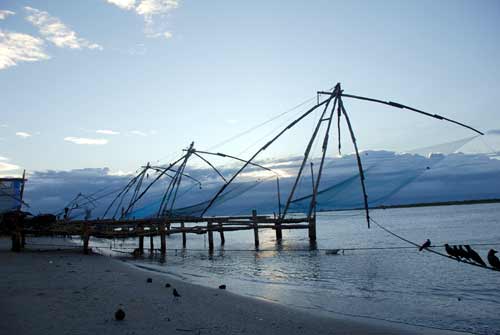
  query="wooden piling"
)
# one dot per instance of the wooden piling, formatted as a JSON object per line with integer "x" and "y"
{"x": 279, "y": 231}
{"x": 210, "y": 236}
{"x": 184, "y": 240}
{"x": 151, "y": 244}
{"x": 86, "y": 238}
{"x": 140, "y": 231}
{"x": 163, "y": 242}
{"x": 221, "y": 233}
{"x": 312, "y": 229}
{"x": 168, "y": 228}
{"x": 255, "y": 228}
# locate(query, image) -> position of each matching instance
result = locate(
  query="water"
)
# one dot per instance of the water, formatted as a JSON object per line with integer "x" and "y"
{"x": 400, "y": 285}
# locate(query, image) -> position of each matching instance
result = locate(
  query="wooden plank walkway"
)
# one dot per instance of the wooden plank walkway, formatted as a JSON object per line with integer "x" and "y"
{"x": 162, "y": 227}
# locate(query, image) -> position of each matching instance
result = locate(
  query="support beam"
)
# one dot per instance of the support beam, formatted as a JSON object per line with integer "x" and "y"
{"x": 221, "y": 232}
{"x": 210, "y": 236}
{"x": 163, "y": 242}
{"x": 255, "y": 228}
{"x": 279, "y": 231}
{"x": 184, "y": 240}
{"x": 86, "y": 238}
{"x": 312, "y": 229}
{"x": 140, "y": 231}
{"x": 151, "y": 244}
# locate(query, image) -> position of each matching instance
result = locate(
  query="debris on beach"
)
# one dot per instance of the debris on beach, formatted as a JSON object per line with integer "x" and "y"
{"x": 175, "y": 293}
{"x": 167, "y": 285}
{"x": 119, "y": 314}
{"x": 149, "y": 280}
{"x": 222, "y": 287}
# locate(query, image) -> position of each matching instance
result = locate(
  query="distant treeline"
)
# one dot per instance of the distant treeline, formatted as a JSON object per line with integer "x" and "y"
{"x": 426, "y": 204}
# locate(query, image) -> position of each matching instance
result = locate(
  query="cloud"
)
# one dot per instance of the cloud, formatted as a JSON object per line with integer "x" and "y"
{"x": 18, "y": 47}
{"x": 123, "y": 4}
{"x": 5, "y": 13}
{"x": 23, "y": 134}
{"x": 55, "y": 31}
{"x": 8, "y": 167}
{"x": 391, "y": 179}
{"x": 168, "y": 35}
{"x": 4, "y": 125}
{"x": 107, "y": 132}
{"x": 150, "y": 10}
{"x": 88, "y": 141}
{"x": 2, "y": 158}
{"x": 138, "y": 132}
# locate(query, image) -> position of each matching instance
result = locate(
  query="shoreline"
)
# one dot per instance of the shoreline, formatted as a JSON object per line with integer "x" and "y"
{"x": 64, "y": 291}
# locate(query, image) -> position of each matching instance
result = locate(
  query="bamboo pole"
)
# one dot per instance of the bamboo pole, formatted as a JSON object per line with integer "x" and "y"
{"x": 248, "y": 162}
{"x": 308, "y": 148}
{"x": 360, "y": 165}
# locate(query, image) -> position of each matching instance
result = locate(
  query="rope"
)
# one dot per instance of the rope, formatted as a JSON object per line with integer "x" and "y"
{"x": 430, "y": 250}
{"x": 260, "y": 250}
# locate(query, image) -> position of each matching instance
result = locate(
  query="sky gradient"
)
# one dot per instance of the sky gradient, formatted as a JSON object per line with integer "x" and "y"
{"x": 102, "y": 83}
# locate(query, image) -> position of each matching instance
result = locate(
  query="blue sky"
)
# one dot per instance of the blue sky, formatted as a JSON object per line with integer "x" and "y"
{"x": 163, "y": 73}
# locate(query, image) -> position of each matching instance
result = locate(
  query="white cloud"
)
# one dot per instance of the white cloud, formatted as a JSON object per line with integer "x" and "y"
{"x": 23, "y": 134}
{"x": 8, "y": 167}
{"x": 107, "y": 132}
{"x": 2, "y": 158}
{"x": 55, "y": 31}
{"x": 17, "y": 47}
{"x": 168, "y": 35}
{"x": 120, "y": 173}
{"x": 89, "y": 141}
{"x": 123, "y": 4}
{"x": 149, "y": 8}
{"x": 5, "y": 13}
{"x": 138, "y": 132}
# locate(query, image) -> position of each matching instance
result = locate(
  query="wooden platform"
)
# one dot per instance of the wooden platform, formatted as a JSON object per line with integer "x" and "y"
{"x": 162, "y": 227}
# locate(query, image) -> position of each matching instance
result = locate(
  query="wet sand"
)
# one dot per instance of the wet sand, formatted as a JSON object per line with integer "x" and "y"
{"x": 65, "y": 292}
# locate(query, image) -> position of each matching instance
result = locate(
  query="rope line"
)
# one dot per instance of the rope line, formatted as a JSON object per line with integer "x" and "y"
{"x": 430, "y": 250}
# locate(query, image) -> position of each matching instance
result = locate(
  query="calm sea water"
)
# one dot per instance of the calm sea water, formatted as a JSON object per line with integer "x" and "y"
{"x": 400, "y": 285}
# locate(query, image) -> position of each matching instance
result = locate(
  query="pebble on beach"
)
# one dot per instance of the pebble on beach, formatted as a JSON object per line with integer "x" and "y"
{"x": 119, "y": 314}
{"x": 149, "y": 280}
{"x": 222, "y": 287}
{"x": 167, "y": 285}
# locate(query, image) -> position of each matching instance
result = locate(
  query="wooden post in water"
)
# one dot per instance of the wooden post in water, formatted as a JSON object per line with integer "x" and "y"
{"x": 17, "y": 244}
{"x": 279, "y": 231}
{"x": 255, "y": 228}
{"x": 168, "y": 228}
{"x": 163, "y": 242}
{"x": 184, "y": 241}
{"x": 86, "y": 238}
{"x": 210, "y": 236}
{"x": 151, "y": 243}
{"x": 221, "y": 233}
{"x": 140, "y": 231}
{"x": 312, "y": 229}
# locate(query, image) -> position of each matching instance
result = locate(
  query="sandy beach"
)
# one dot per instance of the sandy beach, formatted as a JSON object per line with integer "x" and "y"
{"x": 65, "y": 292}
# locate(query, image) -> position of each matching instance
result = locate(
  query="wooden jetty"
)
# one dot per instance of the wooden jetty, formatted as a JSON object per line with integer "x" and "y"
{"x": 155, "y": 227}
